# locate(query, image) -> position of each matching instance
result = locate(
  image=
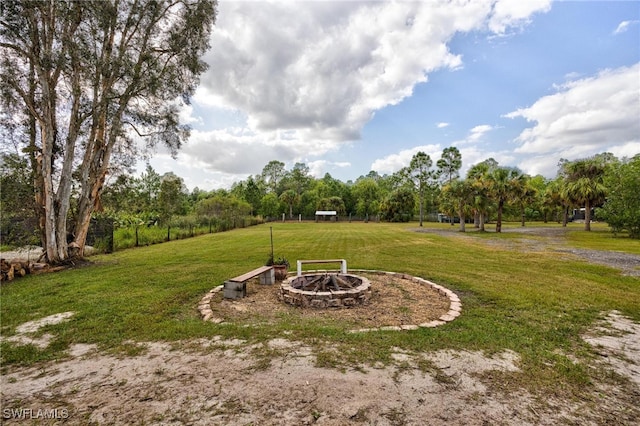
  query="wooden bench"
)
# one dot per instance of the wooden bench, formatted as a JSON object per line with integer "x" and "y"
{"x": 236, "y": 288}
{"x": 343, "y": 264}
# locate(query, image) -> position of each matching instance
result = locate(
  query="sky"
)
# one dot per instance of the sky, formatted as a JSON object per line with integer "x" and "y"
{"x": 347, "y": 87}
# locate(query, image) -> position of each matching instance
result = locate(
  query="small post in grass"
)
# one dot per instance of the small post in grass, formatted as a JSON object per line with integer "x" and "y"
{"x": 271, "y": 232}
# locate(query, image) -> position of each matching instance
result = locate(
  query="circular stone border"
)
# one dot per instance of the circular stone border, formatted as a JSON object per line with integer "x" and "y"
{"x": 455, "y": 305}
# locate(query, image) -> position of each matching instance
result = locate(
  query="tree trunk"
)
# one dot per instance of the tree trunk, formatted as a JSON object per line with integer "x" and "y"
{"x": 587, "y": 215}
{"x": 421, "y": 206}
{"x": 499, "y": 220}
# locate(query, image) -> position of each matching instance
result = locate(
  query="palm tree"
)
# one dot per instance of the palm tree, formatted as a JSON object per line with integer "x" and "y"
{"x": 504, "y": 184}
{"x": 526, "y": 196}
{"x": 584, "y": 184}
{"x": 290, "y": 197}
{"x": 479, "y": 181}
{"x": 459, "y": 194}
{"x": 553, "y": 199}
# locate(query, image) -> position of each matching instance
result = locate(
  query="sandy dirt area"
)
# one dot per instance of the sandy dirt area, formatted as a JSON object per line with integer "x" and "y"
{"x": 219, "y": 382}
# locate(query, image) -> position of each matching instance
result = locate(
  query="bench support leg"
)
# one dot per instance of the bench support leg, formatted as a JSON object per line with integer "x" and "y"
{"x": 268, "y": 277}
{"x": 234, "y": 290}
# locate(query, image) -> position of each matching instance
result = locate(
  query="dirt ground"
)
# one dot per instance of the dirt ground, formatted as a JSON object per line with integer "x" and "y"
{"x": 403, "y": 302}
{"x": 222, "y": 382}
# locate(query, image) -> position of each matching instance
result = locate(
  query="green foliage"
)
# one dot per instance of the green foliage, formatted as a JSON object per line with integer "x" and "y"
{"x": 332, "y": 204}
{"x": 399, "y": 206}
{"x": 367, "y": 195}
{"x": 584, "y": 183}
{"x": 18, "y": 219}
{"x": 621, "y": 209}
{"x": 449, "y": 164}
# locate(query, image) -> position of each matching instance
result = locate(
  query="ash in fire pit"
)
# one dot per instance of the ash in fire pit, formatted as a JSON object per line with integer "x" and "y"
{"x": 326, "y": 290}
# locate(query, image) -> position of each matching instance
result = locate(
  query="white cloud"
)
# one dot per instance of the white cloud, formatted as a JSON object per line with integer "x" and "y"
{"x": 394, "y": 162}
{"x": 319, "y": 168}
{"x": 473, "y": 154}
{"x": 587, "y": 116}
{"x": 300, "y": 79}
{"x": 325, "y": 68}
{"x": 477, "y": 132}
{"x": 624, "y": 26}
{"x": 515, "y": 13}
{"x": 442, "y": 125}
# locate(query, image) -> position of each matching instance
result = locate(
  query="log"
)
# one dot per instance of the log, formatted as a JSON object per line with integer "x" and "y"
{"x": 343, "y": 283}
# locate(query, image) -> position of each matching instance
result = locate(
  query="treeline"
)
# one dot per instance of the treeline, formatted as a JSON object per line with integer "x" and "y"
{"x": 153, "y": 207}
{"x": 423, "y": 190}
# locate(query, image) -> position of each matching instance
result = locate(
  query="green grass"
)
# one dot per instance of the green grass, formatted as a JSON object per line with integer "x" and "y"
{"x": 536, "y": 305}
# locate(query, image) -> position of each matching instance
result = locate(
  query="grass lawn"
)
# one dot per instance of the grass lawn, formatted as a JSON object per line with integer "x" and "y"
{"x": 534, "y": 304}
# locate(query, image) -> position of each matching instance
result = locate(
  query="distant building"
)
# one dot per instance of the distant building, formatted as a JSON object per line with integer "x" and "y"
{"x": 331, "y": 215}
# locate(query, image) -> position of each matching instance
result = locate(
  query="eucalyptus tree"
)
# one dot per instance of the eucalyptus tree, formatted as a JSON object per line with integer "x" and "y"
{"x": 420, "y": 176}
{"x": 96, "y": 80}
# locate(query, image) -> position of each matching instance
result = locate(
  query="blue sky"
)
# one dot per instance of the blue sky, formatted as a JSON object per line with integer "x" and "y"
{"x": 348, "y": 87}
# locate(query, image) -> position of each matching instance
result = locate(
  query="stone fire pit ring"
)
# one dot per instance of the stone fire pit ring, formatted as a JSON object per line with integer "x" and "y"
{"x": 331, "y": 290}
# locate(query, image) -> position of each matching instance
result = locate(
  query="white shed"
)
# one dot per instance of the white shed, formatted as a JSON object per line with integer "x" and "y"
{"x": 332, "y": 214}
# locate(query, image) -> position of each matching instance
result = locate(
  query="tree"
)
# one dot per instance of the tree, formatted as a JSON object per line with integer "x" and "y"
{"x": 367, "y": 195}
{"x": 478, "y": 175}
{"x": 459, "y": 195}
{"x": 18, "y": 215}
{"x": 298, "y": 178}
{"x": 93, "y": 78}
{"x": 525, "y": 195}
{"x": 332, "y": 204}
{"x": 270, "y": 205}
{"x": 585, "y": 184}
{"x": 272, "y": 173}
{"x": 449, "y": 164}
{"x": 419, "y": 175}
{"x": 171, "y": 198}
{"x": 621, "y": 210}
{"x": 290, "y": 198}
{"x": 149, "y": 189}
{"x": 398, "y": 206}
{"x": 504, "y": 185}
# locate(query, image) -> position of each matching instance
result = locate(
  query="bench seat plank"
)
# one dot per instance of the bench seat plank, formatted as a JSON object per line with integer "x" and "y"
{"x": 246, "y": 277}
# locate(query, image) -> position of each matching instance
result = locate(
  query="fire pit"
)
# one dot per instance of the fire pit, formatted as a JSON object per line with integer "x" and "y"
{"x": 326, "y": 290}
